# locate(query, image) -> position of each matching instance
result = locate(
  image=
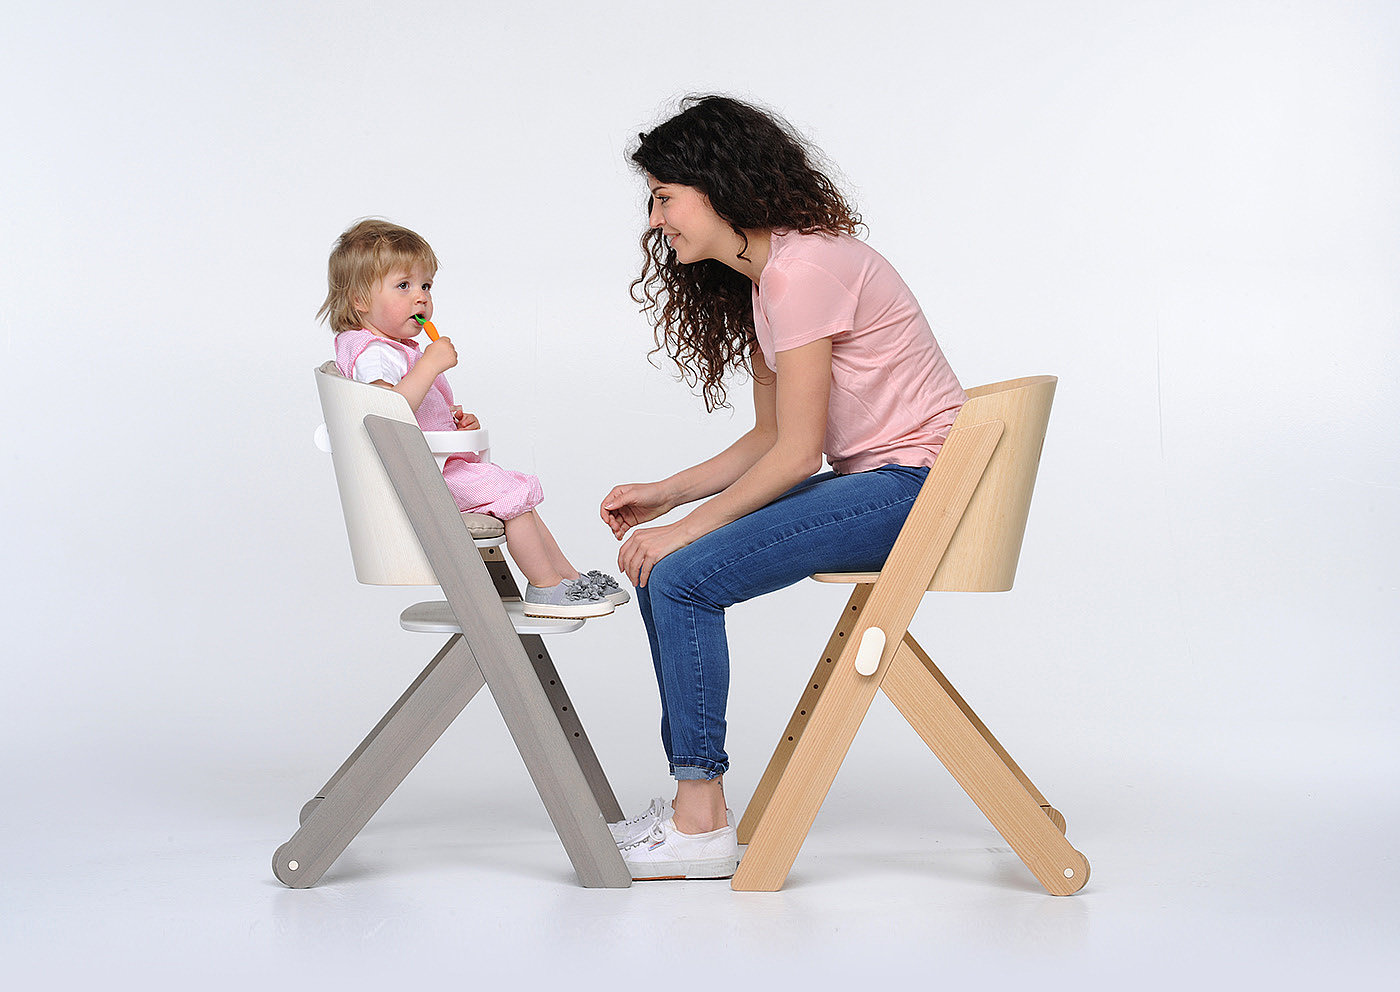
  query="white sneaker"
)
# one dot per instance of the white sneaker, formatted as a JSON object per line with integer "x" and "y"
{"x": 630, "y": 831}
{"x": 665, "y": 852}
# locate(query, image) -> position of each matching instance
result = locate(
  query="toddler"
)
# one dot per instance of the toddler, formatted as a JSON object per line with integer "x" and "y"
{"x": 381, "y": 278}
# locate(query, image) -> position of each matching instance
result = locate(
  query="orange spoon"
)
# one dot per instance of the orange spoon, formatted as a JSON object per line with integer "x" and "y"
{"x": 427, "y": 325}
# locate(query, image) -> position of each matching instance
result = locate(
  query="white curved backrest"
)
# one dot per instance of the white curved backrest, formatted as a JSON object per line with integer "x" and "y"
{"x": 382, "y": 542}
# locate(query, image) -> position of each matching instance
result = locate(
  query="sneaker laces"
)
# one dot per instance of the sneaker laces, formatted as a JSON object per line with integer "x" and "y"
{"x": 655, "y": 811}
{"x": 654, "y": 835}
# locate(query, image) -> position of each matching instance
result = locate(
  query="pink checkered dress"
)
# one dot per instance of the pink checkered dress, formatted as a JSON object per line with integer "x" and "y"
{"x": 480, "y": 487}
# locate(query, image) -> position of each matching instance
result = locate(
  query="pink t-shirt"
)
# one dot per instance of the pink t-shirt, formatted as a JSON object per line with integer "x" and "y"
{"x": 893, "y": 395}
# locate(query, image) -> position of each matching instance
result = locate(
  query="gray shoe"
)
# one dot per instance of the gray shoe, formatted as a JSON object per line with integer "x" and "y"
{"x": 567, "y": 600}
{"x": 608, "y": 587}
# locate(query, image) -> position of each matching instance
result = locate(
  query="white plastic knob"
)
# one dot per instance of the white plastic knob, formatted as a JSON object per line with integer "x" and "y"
{"x": 322, "y": 438}
{"x": 872, "y": 646}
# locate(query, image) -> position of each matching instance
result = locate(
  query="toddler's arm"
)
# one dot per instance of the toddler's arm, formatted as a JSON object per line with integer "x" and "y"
{"x": 437, "y": 358}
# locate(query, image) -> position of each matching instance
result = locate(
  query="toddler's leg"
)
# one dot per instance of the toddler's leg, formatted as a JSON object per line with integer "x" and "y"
{"x": 525, "y": 540}
{"x": 556, "y": 557}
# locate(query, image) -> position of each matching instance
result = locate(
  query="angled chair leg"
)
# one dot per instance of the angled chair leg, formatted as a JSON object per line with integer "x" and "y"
{"x": 976, "y": 721}
{"x": 515, "y": 685}
{"x": 572, "y": 727}
{"x": 562, "y": 706}
{"x": 806, "y": 705}
{"x": 811, "y": 768}
{"x": 984, "y": 771}
{"x": 373, "y": 734}
{"x": 368, "y": 777}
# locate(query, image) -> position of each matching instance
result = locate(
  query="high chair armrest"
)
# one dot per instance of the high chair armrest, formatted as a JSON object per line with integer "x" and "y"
{"x": 439, "y": 442}
{"x": 454, "y": 442}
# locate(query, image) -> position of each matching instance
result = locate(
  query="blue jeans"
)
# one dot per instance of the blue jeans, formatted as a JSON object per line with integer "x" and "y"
{"x": 829, "y": 523}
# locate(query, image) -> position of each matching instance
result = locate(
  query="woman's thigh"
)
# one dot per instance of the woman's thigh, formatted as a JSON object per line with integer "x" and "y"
{"x": 830, "y": 523}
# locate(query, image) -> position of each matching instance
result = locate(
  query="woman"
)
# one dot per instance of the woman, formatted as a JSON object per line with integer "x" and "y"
{"x": 751, "y": 264}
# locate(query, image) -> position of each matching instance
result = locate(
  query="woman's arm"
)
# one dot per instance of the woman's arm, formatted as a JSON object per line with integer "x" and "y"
{"x": 800, "y": 398}
{"x": 635, "y": 503}
{"x": 797, "y": 403}
{"x": 725, "y": 468}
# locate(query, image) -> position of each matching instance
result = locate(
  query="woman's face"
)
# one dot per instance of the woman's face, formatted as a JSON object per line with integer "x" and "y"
{"x": 692, "y": 228}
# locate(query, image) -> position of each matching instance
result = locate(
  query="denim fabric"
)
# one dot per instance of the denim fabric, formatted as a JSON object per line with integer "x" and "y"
{"x": 829, "y": 523}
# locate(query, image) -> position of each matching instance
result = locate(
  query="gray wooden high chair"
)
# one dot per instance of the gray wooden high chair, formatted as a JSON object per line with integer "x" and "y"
{"x": 962, "y": 535}
{"x": 405, "y": 529}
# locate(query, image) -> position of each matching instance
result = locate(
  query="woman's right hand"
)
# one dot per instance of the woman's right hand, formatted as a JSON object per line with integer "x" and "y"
{"x": 440, "y": 354}
{"x": 632, "y": 504}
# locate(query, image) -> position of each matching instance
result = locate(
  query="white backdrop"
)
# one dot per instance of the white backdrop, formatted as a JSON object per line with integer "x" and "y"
{"x": 1190, "y": 212}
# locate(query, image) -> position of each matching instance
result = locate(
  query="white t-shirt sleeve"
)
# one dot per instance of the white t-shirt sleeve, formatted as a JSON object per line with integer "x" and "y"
{"x": 380, "y": 361}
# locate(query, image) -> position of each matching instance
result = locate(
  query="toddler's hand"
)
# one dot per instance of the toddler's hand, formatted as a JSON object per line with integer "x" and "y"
{"x": 441, "y": 354}
{"x": 465, "y": 421}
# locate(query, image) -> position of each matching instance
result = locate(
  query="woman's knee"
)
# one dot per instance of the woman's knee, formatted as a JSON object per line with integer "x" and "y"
{"x": 667, "y": 578}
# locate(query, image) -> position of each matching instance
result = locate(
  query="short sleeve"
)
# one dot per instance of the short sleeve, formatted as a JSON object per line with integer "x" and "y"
{"x": 804, "y": 302}
{"x": 380, "y": 361}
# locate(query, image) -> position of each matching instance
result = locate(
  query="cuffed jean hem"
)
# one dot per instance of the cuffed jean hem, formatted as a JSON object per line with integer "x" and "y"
{"x": 698, "y": 770}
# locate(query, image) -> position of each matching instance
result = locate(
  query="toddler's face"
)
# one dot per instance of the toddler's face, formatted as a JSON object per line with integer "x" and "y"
{"x": 400, "y": 295}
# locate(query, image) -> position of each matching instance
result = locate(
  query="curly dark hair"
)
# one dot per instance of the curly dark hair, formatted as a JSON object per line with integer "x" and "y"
{"x": 758, "y": 173}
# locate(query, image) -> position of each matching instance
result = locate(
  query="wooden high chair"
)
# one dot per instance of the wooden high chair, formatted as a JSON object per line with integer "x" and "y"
{"x": 405, "y": 529}
{"x": 962, "y": 535}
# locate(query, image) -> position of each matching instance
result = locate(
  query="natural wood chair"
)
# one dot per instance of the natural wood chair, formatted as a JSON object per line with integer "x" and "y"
{"x": 962, "y": 535}
{"x": 405, "y": 529}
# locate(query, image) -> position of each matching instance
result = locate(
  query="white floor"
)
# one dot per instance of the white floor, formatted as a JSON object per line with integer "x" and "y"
{"x": 1268, "y": 861}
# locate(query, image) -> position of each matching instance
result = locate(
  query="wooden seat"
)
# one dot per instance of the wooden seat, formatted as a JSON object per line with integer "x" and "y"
{"x": 404, "y": 529}
{"x": 963, "y": 534}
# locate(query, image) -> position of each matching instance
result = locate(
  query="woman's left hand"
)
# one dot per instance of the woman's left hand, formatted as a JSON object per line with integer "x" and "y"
{"x": 647, "y": 546}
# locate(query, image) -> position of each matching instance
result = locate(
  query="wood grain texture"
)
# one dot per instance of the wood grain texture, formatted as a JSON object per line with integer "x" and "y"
{"x": 894, "y": 597}
{"x": 964, "y": 533}
{"x": 801, "y": 713}
{"x": 980, "y": 769}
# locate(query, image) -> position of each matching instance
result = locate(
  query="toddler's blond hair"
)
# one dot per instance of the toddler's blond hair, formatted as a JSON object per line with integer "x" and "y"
{"x": 362, "y": 256}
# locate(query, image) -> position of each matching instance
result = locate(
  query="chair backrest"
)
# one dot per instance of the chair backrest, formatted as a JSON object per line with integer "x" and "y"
{"x": 986, "y": 546}
{"x": 383, "y": 545}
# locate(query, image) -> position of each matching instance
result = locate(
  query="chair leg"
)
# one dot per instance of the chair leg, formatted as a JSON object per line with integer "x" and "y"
{"x": 984, "y": 771}
{"x": 806, "y": 705}
{"x": 572, "y": 727}
{"x": 370, "y": 737}
{"x": 559, "y": 700}
{"x": 371, "y": 774}
{"x": 953, "y": 694}
{"x": 811, "y": 768}
{"x": 515, "y": 685}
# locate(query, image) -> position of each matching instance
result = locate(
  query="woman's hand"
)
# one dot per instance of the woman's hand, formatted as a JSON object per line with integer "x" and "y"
{"x": 648, "y": 546}
{"x": 465, "y": 421}
{"x": 632, "y": 504}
